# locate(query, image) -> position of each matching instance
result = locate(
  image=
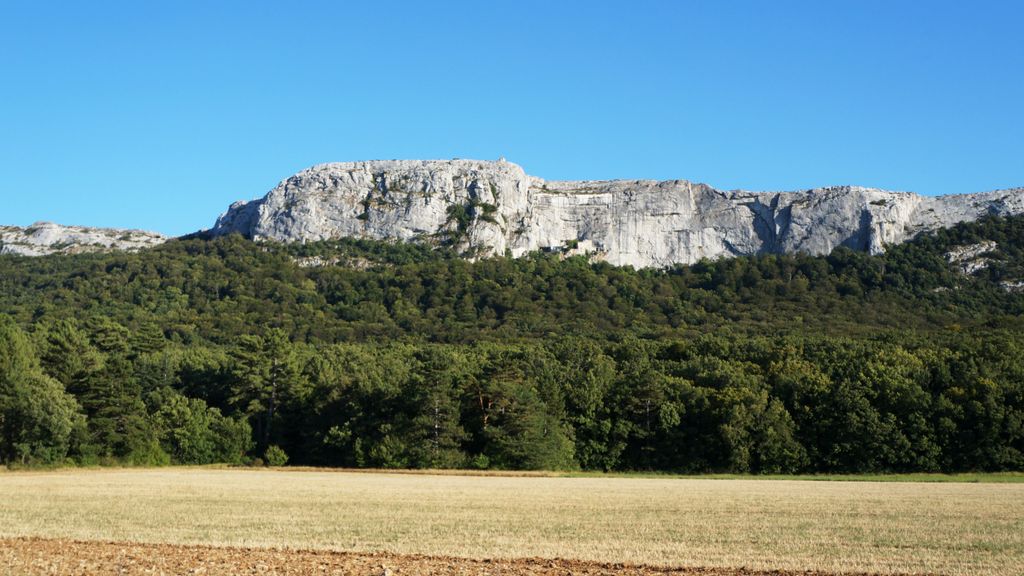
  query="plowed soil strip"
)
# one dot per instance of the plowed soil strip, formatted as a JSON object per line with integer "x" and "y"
{"x": 31, "y": 556}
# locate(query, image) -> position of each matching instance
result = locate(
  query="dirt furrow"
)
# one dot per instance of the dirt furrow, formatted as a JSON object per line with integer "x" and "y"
{"x": 37, "y": 556}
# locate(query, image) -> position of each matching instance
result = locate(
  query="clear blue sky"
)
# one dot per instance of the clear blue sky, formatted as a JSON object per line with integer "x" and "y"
{"x": 159, "y": 114}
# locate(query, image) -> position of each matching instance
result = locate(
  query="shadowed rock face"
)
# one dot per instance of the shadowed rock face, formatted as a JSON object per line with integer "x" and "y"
{"x": 487, "y": 208}
{"x": 44, "y": 238}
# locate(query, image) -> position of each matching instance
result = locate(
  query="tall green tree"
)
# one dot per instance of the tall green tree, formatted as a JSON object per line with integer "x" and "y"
{"x": 38, "y": 419}
{"x": 68, "y": 355}
{"x": 516, "y": 429}
{"x": 435, "y": 431}
{"x": 588, "y": 378}
{"x": 266, "y": 373}
{"x": 120, "y": 426}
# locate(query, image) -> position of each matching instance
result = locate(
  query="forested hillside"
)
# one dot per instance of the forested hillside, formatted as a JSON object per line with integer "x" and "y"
{"x": 357, "y": 353}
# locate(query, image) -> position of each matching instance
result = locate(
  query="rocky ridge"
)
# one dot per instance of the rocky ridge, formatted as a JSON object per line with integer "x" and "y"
{"x": 43, "y": 238}
{"x": 487, "y": 208}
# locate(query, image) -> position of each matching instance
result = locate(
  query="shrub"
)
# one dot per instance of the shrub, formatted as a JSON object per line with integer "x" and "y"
{"x": 275, "y": 456}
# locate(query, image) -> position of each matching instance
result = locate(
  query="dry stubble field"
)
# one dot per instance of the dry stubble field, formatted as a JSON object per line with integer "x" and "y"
{"x": 80, "y": 521}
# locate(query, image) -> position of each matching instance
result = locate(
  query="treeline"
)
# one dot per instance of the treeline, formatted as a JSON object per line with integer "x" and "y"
{"x": 741, "y": 404}
{"x": 228, "y": 351}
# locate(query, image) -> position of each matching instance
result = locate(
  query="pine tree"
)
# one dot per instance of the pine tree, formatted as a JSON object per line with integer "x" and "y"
{"x": 68, "y": 356}
{"x": 265, "y": 372}
{"x": 436, "y": 433}
{"x": 37, "y": 417}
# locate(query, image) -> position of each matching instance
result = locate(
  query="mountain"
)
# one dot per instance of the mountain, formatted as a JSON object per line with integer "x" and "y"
{"x": 494, "y": 208}
{"x": 359, "y": 352}
{"x": 482, "y": 208}
{"x": 43, "y": 238}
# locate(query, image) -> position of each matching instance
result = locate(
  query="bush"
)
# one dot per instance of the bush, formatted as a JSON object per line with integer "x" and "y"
{"x": 275, "y": 456}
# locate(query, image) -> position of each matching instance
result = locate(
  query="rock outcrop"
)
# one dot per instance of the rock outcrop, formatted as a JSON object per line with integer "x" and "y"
{"x": 485, "y": 208}
{"x": 971, "y": 258}
{"x": 43, "y": 238}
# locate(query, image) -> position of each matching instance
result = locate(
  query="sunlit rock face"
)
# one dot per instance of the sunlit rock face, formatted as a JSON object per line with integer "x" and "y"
{"x": 492, "y": 208}
{"x": 43, "y": 238}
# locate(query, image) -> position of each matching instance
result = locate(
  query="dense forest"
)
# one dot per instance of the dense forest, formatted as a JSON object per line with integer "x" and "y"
{"x": 359, "y": 353}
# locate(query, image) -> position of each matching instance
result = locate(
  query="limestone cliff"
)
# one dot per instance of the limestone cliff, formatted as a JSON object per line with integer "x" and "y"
{"x": 486, "y": 208}
{"x": 44, "y": 238}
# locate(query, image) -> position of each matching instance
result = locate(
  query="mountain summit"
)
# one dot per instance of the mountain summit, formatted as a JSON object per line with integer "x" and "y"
{"x": 493, "y": 208}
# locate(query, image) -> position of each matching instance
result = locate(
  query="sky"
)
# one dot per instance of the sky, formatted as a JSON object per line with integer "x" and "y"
{"x": 157, "y": 115}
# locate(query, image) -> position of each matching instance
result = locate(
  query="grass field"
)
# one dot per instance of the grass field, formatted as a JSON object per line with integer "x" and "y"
{"x": 903, "y": 527}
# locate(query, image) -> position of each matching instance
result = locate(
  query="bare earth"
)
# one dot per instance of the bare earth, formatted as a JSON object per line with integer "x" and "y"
{"x": 66, "y": 557}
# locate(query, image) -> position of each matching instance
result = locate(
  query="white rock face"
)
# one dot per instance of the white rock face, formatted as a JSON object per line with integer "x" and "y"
{"x": 971, "y": 258}
{"x": 43, "y": 238}
{"x": 489, "y": 208}
{"x": 1012, "y": 286}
